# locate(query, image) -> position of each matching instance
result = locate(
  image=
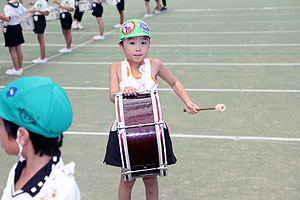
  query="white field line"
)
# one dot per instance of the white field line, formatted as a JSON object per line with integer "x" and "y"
{"x": 235, "y": 9}
{"x": 197, "y": 90}
{"x": 173, "y": 45}
{"x": 215, "y": 137}
{"x": 172, "y": 64}
{"x": 213, "y": 22}
{"x": 191, "y": 90}
{"x": 185, "y": 33}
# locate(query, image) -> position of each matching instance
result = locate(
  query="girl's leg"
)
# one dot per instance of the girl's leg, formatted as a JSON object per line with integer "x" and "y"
{"x": 151, "y": 186}
{"x": 121, "y": 16}
{"x": 158, "y": 5}
{"x": 41, "y": 40}
{"x": 14, "y": 57}
{"x": 101, "y": 26}
{"x": 20, "y": 56}
{"x": 148, "y": 7}
{"x": 68, "y": 38}
{"x": 125, "y": 189}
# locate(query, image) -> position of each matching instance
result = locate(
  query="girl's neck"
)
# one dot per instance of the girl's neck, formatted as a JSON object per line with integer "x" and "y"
{"x": 135, "y": 65}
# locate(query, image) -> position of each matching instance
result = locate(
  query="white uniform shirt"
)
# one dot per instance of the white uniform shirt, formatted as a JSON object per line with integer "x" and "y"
{"x": 41, "y": 5}
{"x": 67, "y": 3}
{"x": 145, "y": 79}
{"x": 14, "y": 12}
{"x": 59, "y": 185}
{"x": 96, "y": 1}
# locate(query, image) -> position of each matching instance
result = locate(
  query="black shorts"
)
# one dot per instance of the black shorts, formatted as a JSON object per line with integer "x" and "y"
{"x": 13, "y": 35}
{"x": 113, "y": 155}
{"x": 121, "y": 5}
{"x": 39, "y": 24}
{"x": 65, "y": 20}
{"x": 97, "y": 9}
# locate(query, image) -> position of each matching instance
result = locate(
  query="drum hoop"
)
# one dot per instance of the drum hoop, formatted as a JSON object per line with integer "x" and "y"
{"x": 159, "y": 129}
{"x": 122, "y": 137}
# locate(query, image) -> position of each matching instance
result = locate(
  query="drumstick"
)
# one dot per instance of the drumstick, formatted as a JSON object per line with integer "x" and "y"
{"x": 218, "y": 107}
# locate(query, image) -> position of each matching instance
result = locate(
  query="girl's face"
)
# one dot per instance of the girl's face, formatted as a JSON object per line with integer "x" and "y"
{"x": 136, "y": 48}
{"x": 9, "y": 144}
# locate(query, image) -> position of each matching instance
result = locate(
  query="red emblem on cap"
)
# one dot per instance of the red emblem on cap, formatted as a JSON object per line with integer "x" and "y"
{"x": 128, "y": 27}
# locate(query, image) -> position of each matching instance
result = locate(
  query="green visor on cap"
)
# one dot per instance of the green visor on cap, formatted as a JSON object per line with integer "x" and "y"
{"x": 134, "y": 28}
{"x": 37, "y": 104}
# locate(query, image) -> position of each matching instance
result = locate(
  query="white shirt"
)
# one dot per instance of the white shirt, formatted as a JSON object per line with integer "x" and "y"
{"x": 59, "y": 185}
{"x": 144, "y": 81}
{"x": 14, "y": 12}
{"x": 41, "y": 5}
{"x": 67, "y": 3}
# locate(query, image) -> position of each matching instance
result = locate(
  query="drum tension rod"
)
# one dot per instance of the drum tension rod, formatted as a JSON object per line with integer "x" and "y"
{"x": 140, "y": 125}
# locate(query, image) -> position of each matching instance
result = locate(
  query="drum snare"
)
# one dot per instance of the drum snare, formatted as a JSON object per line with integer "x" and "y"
{"x": 84, "y": 5}
{"x": 27, "y": 22}
{"x": 53, "y": 14}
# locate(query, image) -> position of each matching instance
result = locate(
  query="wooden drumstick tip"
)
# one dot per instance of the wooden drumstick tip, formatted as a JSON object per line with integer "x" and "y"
{"x": 220, "y": 107}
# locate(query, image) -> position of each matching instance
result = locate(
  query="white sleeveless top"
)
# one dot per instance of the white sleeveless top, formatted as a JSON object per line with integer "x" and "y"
{"x": 145, "y": 79}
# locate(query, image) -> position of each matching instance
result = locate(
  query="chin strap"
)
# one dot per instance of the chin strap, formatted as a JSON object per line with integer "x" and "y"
{"x": 20, "y": 146}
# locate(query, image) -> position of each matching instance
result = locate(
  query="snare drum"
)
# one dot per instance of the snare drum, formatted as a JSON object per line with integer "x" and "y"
{"x": 141, "y": 135}
{"x": 84, "y": 5}
{"x": 53, "y": 14}
{"x": 27, "y": 22}
{"x": 111, "y": 2}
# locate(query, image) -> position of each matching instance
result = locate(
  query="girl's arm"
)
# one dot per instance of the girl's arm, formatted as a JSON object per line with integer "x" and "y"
{"x": 113, "y": 81}
{"x": 114, "y": 78}
{"x": 70, "y": 9}
{"x": 175, "y": 84}
{"x": 7, "y": 19}
{"x": 42, "y": 12}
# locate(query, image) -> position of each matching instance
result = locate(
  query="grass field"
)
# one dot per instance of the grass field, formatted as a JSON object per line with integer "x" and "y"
{"x": 245, "y": 54}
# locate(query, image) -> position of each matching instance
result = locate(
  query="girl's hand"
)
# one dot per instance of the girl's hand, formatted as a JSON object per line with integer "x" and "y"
{"x": 129, "y": 91}
{"x": 32, "y": 11}
{"x": 31, "y": 3}
{"x": 192, "y": 108}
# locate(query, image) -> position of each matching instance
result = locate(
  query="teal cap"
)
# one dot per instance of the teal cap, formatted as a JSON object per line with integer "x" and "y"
{"x": 37, "y": 104}
{"x": 134, "y": 28}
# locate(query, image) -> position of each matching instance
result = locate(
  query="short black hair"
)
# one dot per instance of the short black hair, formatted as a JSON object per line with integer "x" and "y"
{"x": 42, "y": 145}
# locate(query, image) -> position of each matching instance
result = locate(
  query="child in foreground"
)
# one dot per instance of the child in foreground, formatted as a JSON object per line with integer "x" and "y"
{"x": 34, "y": 112}
{"x": 138, "y": 73}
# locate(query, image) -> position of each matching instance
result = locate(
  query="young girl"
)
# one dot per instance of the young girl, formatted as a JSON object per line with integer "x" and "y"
{"x": 13, "y": 36}
{"x": 97, "y": 12}
{"x": 34, "y": 111}
{"x": 120, "y": 6}
{"x": 77, "y": 18}
{"x": 156, "y": 11}
{"x": 40, "y": 10}
{"x": 66, "y": 7}
{"x": 128, "y": 77}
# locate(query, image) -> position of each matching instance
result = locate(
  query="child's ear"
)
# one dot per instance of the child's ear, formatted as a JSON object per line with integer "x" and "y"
{"x": 24, "y": 136}
{"x": 121, "y": 46}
